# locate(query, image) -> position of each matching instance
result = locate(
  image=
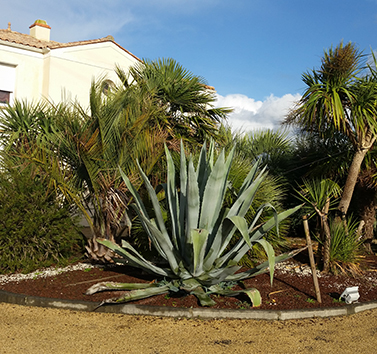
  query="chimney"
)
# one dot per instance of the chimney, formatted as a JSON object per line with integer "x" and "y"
{"x": 40, "y": 30}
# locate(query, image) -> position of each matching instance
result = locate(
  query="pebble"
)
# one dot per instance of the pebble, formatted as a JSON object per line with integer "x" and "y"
{"x": 43, "y": 273}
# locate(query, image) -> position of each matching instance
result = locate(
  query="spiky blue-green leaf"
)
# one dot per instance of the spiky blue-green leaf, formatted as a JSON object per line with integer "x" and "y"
{"x": 201, "y": 229}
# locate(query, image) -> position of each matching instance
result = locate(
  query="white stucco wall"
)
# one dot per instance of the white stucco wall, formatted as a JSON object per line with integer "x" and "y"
{"x": 28, "y": 67}
{"x": 63, "y": 73}
{"x": 70, "y": 71}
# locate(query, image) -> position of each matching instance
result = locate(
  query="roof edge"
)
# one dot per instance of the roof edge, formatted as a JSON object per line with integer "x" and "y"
{"x": 93, "y": 41}
{"x": 24, "y": 47}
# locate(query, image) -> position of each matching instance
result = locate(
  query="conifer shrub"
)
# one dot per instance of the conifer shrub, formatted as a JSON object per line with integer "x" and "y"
{"x": 36, "y": 229}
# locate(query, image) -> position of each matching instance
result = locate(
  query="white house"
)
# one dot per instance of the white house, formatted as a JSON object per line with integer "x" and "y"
{"x": 33, "y": 67}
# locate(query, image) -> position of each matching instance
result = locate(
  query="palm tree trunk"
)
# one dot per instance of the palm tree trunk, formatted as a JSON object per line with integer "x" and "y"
{"x": 366, "y": 204}
{"x": 327, "y": 246}
{"x": 325, "y": 229}
{"x": 353, "y": 173}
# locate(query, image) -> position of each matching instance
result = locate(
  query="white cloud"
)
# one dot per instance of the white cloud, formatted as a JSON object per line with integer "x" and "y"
{"x": 249, "y": 114}
{"x": 73, "y": 20}
{"x": 70, "y": 20}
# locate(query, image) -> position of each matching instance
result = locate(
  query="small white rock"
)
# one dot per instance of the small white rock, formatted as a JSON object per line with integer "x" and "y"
{"x": 43, "y": 273}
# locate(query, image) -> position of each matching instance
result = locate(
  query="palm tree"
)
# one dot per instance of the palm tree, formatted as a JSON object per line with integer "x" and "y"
{"x": 83, "y": 149}
{"x": 186, "y": 102}
{"x": 93, "y": 146}
{"x": 337, "y": 99}
{"x": 322, "y": 155}
{"x": 318, "y": 194}
{"x": 366, "y": 198}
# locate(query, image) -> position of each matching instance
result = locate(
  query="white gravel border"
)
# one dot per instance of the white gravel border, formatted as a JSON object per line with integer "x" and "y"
{"x": 43, "y": 273}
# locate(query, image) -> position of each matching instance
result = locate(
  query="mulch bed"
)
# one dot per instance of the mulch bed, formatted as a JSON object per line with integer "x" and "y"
{"x": 289, "y": 290}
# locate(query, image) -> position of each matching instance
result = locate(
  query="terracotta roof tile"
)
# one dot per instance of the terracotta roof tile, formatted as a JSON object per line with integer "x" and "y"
{"x": 24, "y": 39}
{"x": 27, "y": 40}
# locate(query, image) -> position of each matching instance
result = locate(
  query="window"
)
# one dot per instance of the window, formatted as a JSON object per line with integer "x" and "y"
{"x": 7, "y": 83}
{"x": 107, "y": 85}
{"x": 4, "y": 97}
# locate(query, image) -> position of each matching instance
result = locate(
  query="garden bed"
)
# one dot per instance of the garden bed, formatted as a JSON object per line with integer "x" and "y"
{"x": 292, "y": 286}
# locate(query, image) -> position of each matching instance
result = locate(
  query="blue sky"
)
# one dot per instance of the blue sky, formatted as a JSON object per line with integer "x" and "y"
{"x": 252, "y": 51}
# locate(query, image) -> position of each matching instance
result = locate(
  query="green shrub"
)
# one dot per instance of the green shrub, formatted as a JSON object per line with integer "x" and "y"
{"x": 36, "y": 229}
{"x": 344, "y": 247}
{"x": 271, "y": 191}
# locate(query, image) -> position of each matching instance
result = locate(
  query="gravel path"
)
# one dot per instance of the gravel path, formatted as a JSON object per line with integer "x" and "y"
{"x": 44, "y": 330}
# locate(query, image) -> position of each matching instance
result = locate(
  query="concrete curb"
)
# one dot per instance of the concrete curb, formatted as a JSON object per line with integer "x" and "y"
{"x": 205, "y": 313}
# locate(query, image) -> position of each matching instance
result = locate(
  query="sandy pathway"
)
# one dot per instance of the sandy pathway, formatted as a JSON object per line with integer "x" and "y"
{"x": 43, "y": 330}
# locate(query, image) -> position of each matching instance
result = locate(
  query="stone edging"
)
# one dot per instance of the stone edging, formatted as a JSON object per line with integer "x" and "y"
{"x": 205, "y": 313}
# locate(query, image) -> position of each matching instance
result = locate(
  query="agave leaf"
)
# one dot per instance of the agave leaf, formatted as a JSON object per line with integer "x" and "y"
{"x": 203, "y": 170}
{"x": 134, "y": 258}
{"x": 240, "y": 208}
{"x": 215, "y": 240}
{"x": 104, "y": 286}
{"x": 214, "y": 192}
{"x": 203, "y": 297}
{"x": 150, "y": 234}
{"x": 252, "y": 293}
{"x": 193, "y": 203}
{"x": 211, "y": 154}
{"x": 171, "y": 253}
{"x": 272, "y": 222}
{"x": 182, "y": 199}
{"x": 258, "y": 214}
{"x": 140, "y": 209}
{"x": 139, "y": 294}
{"x": 262, "y": 268}
{"x": 156, "y": 205}
{"x": 237, "y": 253}
{"x": 255, "y": 296}
{"x": 212, "y": 251}
{"x": 241, "y": 243}
{"x": 133, "y": 191}
{"x": 158, "y": 233}
{"x": 250, "y": 177}
{"x": 242, "y": 227}
{"x": 243, "y": 202}
{"x": 218, "y": 275}
{"x": 199, "y": 241}
{"x": 172, "y": 198}
{"x": 270, "y": 256}
{"x": 190, "y": 284}
{"x": 183, "y": 272}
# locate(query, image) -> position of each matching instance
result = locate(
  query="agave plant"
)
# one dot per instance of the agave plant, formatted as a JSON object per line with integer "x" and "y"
{"x": 197, "y": 247}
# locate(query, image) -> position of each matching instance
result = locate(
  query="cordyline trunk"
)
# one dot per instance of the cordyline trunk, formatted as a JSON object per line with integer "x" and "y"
{"x": 366, "y": 204}
{"x": 353, "y": 174}
{"x": 325, "y": 235}
{"x": 326, "y": 230}
{"x": 349, "y": 187}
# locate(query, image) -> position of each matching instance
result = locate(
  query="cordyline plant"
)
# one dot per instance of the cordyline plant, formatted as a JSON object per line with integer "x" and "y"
{"x": 201, "y": 262}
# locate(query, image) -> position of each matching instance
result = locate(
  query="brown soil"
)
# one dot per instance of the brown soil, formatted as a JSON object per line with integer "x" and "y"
{"x": 290, "y": 290}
